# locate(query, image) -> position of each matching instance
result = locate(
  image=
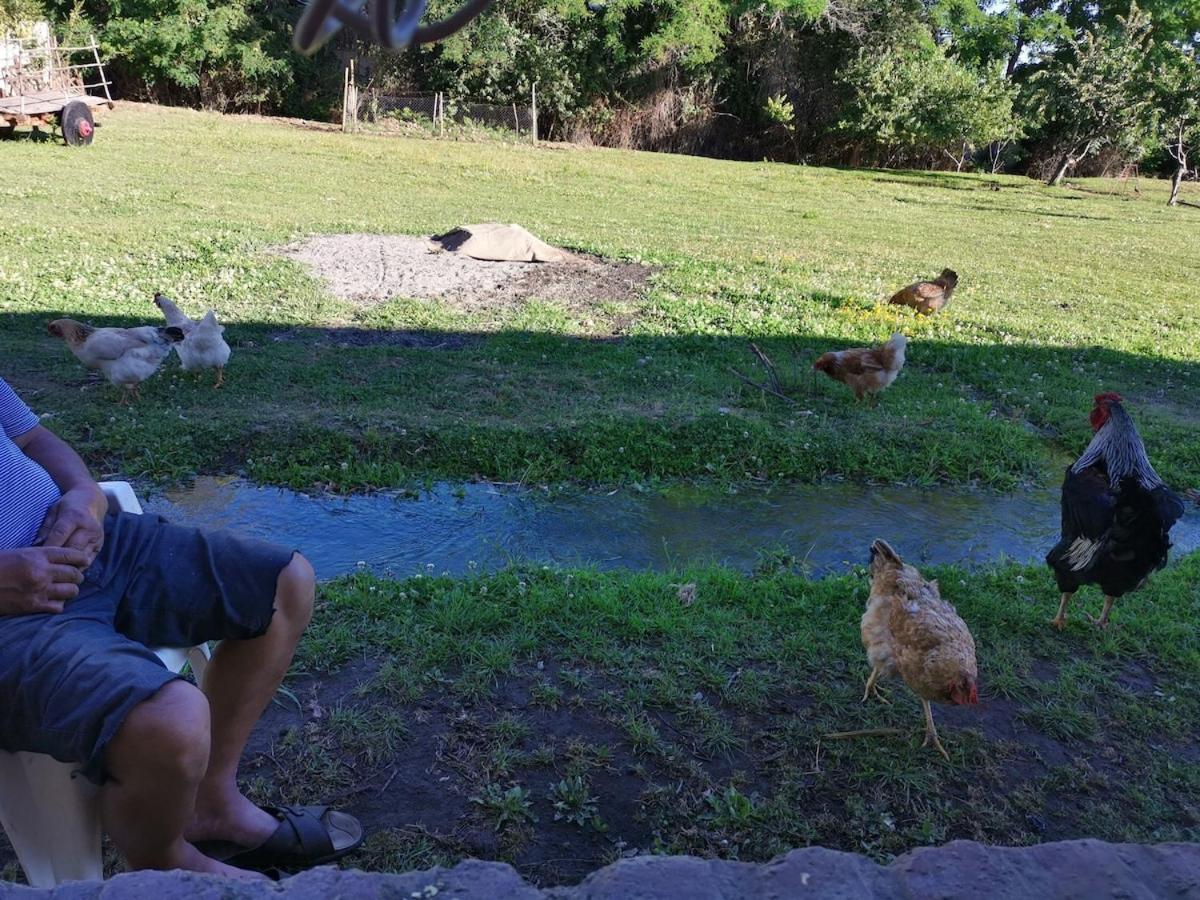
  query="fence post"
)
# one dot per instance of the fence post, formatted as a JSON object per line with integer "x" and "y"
{"x": 345, "y": 97}
{"x": 441, "y": 114}
{"x": 533, "y": 103}
{"x": 353, "y": 100}
{"x": 516, "y": 119}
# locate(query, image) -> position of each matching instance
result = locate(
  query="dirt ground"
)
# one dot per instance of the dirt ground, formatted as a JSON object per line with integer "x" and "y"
{"x": 373, "y": 268}
{"x": 415, "y": 772}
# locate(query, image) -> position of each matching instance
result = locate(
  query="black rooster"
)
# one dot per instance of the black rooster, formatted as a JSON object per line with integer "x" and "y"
{"x": 1116, "y": 514}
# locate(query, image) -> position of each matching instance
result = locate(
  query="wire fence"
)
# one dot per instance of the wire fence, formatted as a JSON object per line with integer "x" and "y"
{"x": 438, "y": 113}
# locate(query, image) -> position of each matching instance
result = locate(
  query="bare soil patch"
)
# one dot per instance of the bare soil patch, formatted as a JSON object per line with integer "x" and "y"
{"x": 414, "y": 771}
{"x": 373, "y": 268}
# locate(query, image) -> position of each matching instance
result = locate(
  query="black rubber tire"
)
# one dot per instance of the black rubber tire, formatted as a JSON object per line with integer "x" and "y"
{"x": 76, "y": 124}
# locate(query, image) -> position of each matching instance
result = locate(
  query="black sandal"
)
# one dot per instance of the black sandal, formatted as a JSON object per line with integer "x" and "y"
{"x": 307, "y": 836}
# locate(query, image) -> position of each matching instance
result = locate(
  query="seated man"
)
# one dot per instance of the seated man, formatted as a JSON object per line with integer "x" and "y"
{"x": 83, "y": 594}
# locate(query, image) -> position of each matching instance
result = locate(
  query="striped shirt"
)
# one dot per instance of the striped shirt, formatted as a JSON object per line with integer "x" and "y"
{"x": 26, "y": 489}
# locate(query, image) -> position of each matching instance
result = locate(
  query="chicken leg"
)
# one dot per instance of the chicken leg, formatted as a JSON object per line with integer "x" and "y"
{"x": 873, "y": 688}
{"x": 931, "y": 735}
{"x": 1102, "y": 622}
{"x": 1060, "y": 621}
{"x": 220, "y": 376}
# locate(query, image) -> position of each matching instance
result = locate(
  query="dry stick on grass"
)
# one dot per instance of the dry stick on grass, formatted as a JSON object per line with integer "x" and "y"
{"x": 765, "y": 388}
{"x": 769, "y": 366}
{"x": 774, "y": 387}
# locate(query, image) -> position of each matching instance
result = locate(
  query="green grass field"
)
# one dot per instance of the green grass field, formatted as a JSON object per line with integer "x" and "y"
{"x": 562, "y": 719}
{"x": 1063, "y": 293}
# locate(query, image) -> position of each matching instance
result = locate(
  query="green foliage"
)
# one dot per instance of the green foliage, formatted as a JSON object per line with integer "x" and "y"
{"x": 16, "y": 13}
{"x": 1095, "y": 94}
{"x": 575, "y": 57}
{"x": 780, "y": 111}
{"x": 1176, "y": 86}
{"x": 909, "y": 101}
{"x": 887, "y": 81}
{"x": 574, "y": 803}
{"x": 731, "y": 809}
{"x": 993, "y": 36}
{"x": 219, "y": 54}
{"x": 507, "y": 808}
{"x": 1171, "y": 21}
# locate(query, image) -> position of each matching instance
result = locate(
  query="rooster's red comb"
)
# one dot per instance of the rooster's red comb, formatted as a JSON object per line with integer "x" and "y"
{"x": 1108, "y": 397}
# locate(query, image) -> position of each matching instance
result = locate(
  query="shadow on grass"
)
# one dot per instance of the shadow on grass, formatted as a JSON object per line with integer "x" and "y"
{"x": 382, "y": 406}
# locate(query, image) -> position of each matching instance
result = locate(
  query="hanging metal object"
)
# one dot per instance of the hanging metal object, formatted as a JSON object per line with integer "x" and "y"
{"x": 394, "y": 24}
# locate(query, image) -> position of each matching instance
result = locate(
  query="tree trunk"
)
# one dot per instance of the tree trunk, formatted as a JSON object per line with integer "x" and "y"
{"x": 1177, "y": 183}
{"x": 1061, "y": 172}
{"x": 996, "y": 152}
{"x": 1013, "y": 58}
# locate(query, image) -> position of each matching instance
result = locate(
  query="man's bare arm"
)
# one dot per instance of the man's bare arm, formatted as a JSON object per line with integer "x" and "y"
{"x": 76, "y": 520}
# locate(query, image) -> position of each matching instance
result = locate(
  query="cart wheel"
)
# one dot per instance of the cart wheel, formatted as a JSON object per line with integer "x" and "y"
{"x": 76, "y": 123}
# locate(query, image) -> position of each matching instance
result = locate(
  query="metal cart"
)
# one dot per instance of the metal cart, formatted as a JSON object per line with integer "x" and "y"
{"x": 41, "y": 85}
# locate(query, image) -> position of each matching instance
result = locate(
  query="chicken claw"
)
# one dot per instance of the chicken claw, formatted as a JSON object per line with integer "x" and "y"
{"x": 931, "y": 735}
{"x": 872, "y": 689}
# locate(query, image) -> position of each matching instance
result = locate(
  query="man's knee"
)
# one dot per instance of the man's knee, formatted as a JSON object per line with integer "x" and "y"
{"x": 168, "y": 735}
{"x": 295, "y": 591}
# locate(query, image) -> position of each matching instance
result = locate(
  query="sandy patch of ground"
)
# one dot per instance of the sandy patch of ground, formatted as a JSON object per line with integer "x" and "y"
{"x": 373, "y": 268}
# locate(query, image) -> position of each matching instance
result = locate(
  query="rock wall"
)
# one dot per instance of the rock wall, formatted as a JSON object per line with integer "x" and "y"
{"x": 1088, "y": 870}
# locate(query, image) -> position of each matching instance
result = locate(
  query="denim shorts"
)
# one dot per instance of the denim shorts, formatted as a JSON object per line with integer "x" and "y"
{"x": 67, "y": 681}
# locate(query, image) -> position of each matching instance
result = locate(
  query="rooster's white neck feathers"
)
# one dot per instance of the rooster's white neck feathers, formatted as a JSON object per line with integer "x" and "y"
{"x": 1119, "y": 447}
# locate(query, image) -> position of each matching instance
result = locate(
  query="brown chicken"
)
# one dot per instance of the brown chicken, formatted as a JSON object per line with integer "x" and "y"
{"x": 910, "y": 631}
{"x": 927, "y": 297}
{"x": 126, "y": 356}
{"x": 865, "y": 370}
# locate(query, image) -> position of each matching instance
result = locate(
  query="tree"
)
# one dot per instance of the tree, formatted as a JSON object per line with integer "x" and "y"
{"x": 221, "y": 54}
{"x": 1095, "y": 93}
{"x": 1172, "y": 21}
{"x": 17, "y": 13}
{"x": 912, "y": 101}
{"x": 1177, "y": 97}
{"x": 990, "y": 35}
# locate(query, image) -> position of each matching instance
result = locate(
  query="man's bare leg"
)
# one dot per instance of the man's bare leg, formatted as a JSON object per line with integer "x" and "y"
{"x": 239, "y": 683}
{"x": 156, "y": 761}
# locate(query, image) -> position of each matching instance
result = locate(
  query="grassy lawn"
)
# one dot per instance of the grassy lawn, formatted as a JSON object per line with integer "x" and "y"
{"x": 1063, "y": 293}
{"x": 559, "y": 719}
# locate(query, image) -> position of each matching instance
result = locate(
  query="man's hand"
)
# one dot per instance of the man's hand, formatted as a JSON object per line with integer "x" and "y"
{"x": 76, "y": 522}
{"x": 39, "y": 579}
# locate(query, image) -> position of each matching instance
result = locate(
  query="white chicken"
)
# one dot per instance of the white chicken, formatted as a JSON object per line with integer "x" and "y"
{"x": 203, "y": 346}
{"x": 126, "y": 356}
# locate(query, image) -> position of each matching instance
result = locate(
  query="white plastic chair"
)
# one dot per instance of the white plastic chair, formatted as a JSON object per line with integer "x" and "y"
{"x": 51, "y": 818}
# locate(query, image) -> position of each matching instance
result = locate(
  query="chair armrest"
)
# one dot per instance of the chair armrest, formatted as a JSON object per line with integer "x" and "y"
{"x": 121, "y": 497}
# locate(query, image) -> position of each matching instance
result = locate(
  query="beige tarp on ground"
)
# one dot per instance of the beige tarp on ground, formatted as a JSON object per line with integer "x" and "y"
{"x": 495, "y": 242}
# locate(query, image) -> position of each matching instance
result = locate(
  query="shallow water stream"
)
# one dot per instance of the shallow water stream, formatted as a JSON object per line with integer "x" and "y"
{"x": 452, "y": 529}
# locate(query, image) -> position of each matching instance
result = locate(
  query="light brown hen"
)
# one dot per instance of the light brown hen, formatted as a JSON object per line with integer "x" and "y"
{"x": 910, "y": 631}
{"x": 927, "y": 297}
{"x": 865, "y": 370}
